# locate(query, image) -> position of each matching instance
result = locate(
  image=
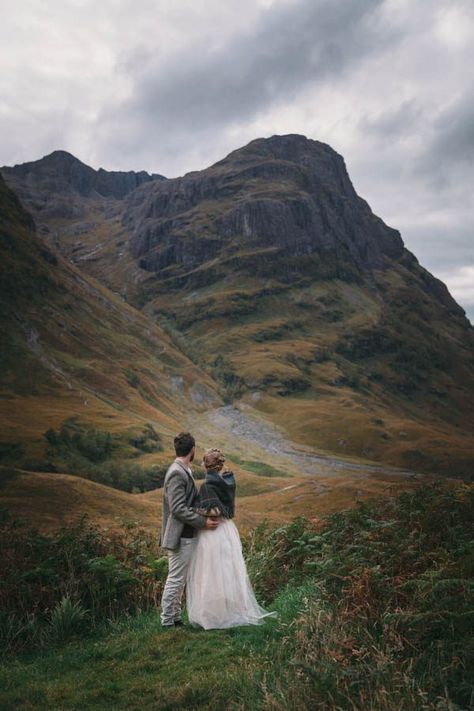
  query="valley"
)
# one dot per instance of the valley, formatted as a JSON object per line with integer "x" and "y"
{"x": 258, "y": 302}
{"x": 276, "y": 481}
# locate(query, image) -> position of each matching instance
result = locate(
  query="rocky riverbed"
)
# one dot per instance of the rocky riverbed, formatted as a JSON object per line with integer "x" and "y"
{"x": 241, "y": 431}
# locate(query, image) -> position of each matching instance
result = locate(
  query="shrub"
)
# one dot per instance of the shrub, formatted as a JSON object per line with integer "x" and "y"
{"x": 388, "y": 619}
{"x": 132, "y": 377}
{"x": 87, "y": 452}
{"x": 75, "y": 439}
{"x": 232, "y": 385}
{"x": 292, "y": 385}
{"x": 126, "y": 476}
{"x": 274, "y": 557}
{"x": 148, "y": 440}
{"x": 73, "y": 579}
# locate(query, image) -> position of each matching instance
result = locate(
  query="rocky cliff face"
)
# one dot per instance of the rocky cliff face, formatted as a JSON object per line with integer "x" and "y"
{"x": 286, "y": 193}
{"x": 49, "y": 187}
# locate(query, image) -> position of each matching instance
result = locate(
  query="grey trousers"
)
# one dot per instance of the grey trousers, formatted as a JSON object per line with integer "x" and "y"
{"x": 178, "y": 564}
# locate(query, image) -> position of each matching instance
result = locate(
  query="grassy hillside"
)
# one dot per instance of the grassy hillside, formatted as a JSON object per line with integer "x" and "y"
{"x": 299, "y": 300}
{"x": 51, "y": 500}
{"x": 341, "y": 367}
{"x": 374, "y": 614}
{"x": 70, "y": 347}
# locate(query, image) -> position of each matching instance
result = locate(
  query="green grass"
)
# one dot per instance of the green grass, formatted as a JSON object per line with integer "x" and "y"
{"x": 133, "y": 664}
{"x": 259, "y": 468}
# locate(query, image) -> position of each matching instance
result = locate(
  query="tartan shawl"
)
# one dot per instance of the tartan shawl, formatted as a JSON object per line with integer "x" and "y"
{"x": 218, "y": 491}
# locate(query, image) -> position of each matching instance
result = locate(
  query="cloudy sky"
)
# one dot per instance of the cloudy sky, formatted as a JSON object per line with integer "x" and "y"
{"x": 172, "y": 86}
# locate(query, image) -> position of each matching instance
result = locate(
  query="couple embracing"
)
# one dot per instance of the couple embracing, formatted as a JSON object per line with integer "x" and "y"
{"x": 203, "y": 544}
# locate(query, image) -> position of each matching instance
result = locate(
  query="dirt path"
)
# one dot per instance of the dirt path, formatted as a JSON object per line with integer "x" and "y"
{"x": 243, "y": 432}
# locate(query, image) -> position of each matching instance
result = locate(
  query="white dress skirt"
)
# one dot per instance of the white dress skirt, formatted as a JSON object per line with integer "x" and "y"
{"x": 218, "y": 590}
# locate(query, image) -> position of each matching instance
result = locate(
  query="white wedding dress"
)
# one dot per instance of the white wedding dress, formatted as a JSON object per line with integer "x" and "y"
{"x": 218, "y": 590}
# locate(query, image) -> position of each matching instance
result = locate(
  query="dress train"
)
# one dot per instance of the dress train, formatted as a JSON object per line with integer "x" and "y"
{"x": 218, "y": 590}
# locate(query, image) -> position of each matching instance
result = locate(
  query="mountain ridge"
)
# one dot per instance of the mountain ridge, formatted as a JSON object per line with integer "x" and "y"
{"x": 284, "y": 287}
{"x": 79, "y": 176}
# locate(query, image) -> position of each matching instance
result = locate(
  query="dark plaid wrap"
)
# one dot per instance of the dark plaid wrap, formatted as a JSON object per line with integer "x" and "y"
{"x": 218, "y": 491}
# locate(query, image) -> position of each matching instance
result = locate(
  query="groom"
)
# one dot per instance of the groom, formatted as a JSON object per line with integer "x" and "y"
{"x": 178, "y": 527}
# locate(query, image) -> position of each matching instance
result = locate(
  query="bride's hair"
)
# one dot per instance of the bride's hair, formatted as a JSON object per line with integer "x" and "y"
{"x": 213, "y": 459}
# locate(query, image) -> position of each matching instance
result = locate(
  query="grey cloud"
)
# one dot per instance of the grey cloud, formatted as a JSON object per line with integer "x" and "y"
{"x": 425, "y": 171}
{"x": 393, "y": 122}
{"x": 439, "y": 248}
{"x": 453, "y": 140}
{"x": 200, "y": 90}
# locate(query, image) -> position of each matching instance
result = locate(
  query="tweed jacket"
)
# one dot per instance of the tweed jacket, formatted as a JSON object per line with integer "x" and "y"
{"x": 179, "y": 495}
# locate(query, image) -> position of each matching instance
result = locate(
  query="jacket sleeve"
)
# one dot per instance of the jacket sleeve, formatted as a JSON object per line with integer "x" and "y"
{"x": 176, "y": 491}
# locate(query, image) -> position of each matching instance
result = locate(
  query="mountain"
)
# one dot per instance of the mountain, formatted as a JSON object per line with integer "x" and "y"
{"x": 70, "y": 347}
{"x": 77, "y": 209}
{"x": 301, "y": 304}
{"x": 306, "y": 305}
{"x": 61, "y": 173}
{"x": 287, "y": 195}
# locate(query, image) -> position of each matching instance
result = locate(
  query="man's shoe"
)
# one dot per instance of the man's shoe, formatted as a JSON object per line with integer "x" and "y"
{"x": 178, "y": 623}
{"x": 168, "y": 627}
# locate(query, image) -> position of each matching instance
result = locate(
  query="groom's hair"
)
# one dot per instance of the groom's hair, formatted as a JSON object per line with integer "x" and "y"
{"x": 183, "y": 443}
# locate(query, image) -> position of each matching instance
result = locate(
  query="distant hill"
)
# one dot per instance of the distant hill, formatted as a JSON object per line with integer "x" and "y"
{"x": 278, "y": 280}
{"x": 47, "y": 501}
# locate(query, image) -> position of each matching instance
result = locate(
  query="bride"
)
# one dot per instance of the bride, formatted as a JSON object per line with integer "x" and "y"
{"x": 218, "y": 590}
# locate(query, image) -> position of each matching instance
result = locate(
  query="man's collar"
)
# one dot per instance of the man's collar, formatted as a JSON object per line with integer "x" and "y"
{"x": 188, "y": 471}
